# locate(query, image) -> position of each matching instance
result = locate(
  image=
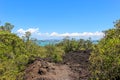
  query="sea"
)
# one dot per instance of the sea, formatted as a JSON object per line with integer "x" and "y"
{"x": 47, "y": 42}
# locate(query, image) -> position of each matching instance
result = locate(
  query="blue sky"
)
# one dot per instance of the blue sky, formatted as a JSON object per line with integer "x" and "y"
{"x": 56, "y": 18}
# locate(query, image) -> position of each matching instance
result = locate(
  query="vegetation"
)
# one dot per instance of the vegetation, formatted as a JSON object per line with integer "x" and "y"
{"x": 16, "y": 53}
{"x": 105, "y": 58}
{"x": 7, "y": 27}
{"x": 70, "y": 45}
{"x": 54, "y": 52}
{"x": 13, "y": 56}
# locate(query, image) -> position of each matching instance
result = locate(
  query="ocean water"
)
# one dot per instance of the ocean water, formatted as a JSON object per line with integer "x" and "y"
{"x": 47, "y": 42}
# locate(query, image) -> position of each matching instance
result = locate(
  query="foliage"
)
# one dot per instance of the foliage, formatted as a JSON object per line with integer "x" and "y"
{"x": 12, "y": 50}
{"x": 105, "y": 58}
{"x": 54, "y": 52}
{"x": 16, "y": 53}
{"x": 27, "y": 35}
{"x": 75, "y": 45}
{"x": 7, "y": 27}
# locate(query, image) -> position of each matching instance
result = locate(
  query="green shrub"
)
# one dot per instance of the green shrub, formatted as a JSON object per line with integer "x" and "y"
{"x": 54, "y": 52}
{"x": 75, "y": 45}
{"x": 105, "y": 58}
{"x": 12, "y": 53}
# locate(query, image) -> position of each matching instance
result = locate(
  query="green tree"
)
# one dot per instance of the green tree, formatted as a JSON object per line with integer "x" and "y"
{"x": 7, "y": 27}
{"x": 27, "y": 35}
{"x": 117, "y": 24}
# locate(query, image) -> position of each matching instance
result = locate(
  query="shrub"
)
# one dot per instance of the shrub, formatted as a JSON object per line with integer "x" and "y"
{"x": 105, "y": 58}
{"x": 54, "y": 52}
{"x": 12, "y": 52}
{"x": 75, "y": 45}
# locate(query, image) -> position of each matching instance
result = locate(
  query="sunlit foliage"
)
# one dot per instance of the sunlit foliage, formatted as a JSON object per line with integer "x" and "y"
{"x": 105, "y": 58}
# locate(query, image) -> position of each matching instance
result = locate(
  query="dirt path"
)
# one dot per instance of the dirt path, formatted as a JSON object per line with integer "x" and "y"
{"x": 42, "y": 70}
{"x": 73, "y": 67}
{"x": 78, "y": 62}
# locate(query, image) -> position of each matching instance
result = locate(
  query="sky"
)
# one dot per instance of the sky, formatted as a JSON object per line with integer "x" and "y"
{"x": 55, "y": 19}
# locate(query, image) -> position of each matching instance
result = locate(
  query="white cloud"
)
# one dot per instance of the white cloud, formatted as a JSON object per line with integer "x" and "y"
{"x": 84, "y": 34}
{"x": 54, "y": 34}
{"x": 21, "y": 31}
{"x": 33, "y": 30}
{"x": 37, "y": 34}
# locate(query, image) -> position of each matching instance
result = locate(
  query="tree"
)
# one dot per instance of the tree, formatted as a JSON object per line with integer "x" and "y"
{"x": 27, "y": 35}
{"x": 117, "y": 24}
{"x": 7, "y": 27}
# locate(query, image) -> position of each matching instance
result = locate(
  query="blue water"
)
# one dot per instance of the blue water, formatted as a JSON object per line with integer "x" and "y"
{"x": 47, "y": 42}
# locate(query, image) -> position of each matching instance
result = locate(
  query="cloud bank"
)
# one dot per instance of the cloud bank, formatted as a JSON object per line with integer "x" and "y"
{"x": 32, "y": 30}
{"x": 37, "y": 34}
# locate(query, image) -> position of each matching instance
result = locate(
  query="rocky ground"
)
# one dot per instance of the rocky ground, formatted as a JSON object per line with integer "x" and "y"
{"x": 73, "y": 67}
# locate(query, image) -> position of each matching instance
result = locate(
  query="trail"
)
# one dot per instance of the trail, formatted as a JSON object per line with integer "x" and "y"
{"x": 73, "y": 67}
